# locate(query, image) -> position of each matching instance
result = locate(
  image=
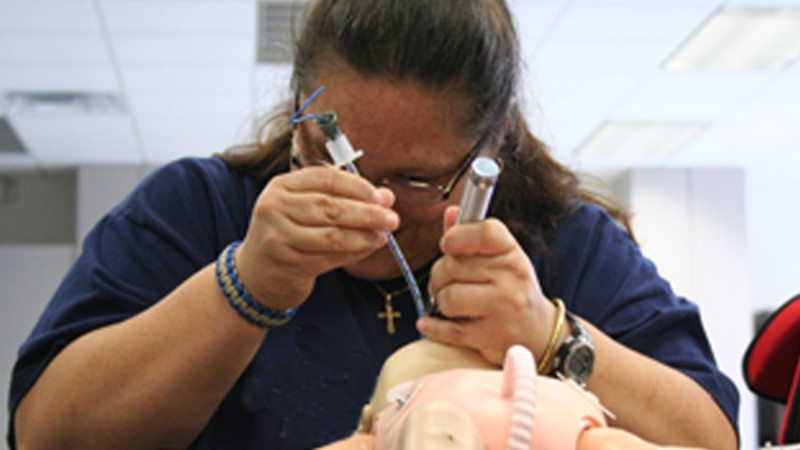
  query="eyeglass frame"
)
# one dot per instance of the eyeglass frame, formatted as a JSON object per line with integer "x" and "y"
{"x": 443, "y": 190}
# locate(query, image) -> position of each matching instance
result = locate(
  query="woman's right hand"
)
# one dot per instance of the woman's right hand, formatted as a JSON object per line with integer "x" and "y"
{"x": 305, "y": 223}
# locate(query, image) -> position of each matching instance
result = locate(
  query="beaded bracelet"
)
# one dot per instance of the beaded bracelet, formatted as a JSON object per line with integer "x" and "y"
{"x": 238, "y": 297}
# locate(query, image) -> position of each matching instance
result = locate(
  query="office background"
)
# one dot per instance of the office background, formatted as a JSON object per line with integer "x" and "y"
{"x": 685, "y": 110}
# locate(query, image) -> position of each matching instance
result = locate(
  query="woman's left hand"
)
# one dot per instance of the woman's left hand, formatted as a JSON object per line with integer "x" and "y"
{"x": 487, "y": 285}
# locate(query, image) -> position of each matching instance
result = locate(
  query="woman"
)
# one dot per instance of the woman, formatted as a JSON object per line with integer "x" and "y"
{"x": 145, "y": 344}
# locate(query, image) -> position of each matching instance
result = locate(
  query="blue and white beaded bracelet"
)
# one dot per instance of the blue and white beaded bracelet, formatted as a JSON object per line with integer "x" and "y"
{"x": 240, "y": 300}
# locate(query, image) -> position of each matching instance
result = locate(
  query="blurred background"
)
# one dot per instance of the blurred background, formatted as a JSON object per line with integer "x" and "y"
{"x": 687, "y": 111}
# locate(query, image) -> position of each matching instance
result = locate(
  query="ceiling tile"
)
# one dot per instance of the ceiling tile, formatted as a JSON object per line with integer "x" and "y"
{"x": 534, "y": 20}
{"x": 163, "y": 16}
{"x": 47, "y": 77}
{"x": 574, "y": 102}
{"x": 590, "y": 55}
{"x": 165, "y": 105}
{"x": 69, "y": 48}
{"x": 219, "y": 51}
{"x": 199, "y": 80}
{"x": 626, "y": 21}
{"x": 47, "y": 16}
{"x": 165, "y": 140}
{"x": 691, "y": 96}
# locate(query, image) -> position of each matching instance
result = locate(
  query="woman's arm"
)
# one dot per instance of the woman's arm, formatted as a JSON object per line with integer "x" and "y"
{"x": 152, "y": 381}
{"x": 486, "y": 280}
{"x": 654, "y": 401}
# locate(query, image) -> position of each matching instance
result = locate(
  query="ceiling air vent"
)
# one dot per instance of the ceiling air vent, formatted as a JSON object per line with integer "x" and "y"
{"x": 40, "y": 104}
{"x": 9, "y": 141}
{"x": 278, "y": 21}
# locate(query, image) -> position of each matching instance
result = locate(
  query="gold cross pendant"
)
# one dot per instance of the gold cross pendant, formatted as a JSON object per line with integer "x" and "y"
{"x": 389, "y": 315}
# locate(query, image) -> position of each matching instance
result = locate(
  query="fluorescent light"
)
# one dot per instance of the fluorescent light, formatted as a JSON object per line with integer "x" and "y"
{"x": 48, "y": 104}
{"x": 638, "y": 139}
{"x": 742, "y": 38}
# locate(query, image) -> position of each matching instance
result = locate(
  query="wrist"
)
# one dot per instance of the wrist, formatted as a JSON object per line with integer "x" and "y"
{"x": 555, "y": 338}
{"x": 238, "y": 296}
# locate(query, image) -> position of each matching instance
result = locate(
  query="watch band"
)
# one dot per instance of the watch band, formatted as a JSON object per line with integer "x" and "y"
{"x": 575, "y": 358}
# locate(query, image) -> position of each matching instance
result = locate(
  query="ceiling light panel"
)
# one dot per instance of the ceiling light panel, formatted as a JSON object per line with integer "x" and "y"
{"x": 64, "y": 104}
{"x": 755, "y": 38}
{"x": 70, "y": 140}
{"x": 638, "y": 139}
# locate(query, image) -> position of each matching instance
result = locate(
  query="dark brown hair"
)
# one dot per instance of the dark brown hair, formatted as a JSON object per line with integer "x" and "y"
{"x": 467, "y": 47}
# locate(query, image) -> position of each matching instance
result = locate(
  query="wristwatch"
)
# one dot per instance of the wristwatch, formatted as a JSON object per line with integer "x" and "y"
{"x": 575, "y": 358}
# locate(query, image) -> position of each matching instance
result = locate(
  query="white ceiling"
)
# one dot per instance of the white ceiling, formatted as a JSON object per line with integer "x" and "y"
{"x": 186, "y": 71}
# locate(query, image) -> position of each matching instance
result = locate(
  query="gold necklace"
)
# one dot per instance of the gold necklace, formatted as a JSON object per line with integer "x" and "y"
{"x": 389, "y": 314}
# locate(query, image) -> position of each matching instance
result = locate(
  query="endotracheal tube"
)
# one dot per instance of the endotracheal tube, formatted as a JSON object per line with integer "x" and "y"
{"x": 343, "y": 155}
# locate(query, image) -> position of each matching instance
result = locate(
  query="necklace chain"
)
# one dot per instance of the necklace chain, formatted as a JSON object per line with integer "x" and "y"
{"x": 389, "y": 314}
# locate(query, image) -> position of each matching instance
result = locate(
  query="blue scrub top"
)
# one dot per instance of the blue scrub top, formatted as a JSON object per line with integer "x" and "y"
{"x": 310, "y": 378}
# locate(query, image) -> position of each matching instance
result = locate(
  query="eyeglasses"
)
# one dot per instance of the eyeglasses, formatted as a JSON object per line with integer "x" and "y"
{"x": 408, "y": 190}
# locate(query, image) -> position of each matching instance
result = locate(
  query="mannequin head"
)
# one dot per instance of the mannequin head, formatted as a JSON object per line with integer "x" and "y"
{"x": 435, "y": 396}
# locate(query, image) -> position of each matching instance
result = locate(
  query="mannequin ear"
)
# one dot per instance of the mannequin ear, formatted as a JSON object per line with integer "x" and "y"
{"x": 519, "y": 384}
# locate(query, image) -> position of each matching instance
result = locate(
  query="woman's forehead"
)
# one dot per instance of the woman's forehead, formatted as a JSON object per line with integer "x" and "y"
{"x": 404, "y": 117}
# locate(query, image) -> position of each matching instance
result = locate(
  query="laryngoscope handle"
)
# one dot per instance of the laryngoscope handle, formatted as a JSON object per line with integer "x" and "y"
{"x": 477, "y": 195}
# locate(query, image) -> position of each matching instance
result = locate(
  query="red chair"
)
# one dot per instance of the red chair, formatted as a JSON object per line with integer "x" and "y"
{"x": 772, "y": 365}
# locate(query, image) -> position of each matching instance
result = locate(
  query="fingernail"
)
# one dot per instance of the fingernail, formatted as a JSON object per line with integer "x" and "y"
{"x": 392, "y": 220}
{"x": 376, "y": 197}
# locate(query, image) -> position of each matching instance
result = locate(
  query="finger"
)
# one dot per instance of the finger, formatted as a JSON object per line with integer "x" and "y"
{"x": 319, "y": 209}
{"x": 314, "y": 240}
{"x": 468, "y": 300}
{"x": 450, "y": 216}
{"x": 442, "y": 331}
{"x": 331, "y": 181}
{"x": 387, "y": 197}
{"x": 447, "y": 270}
{"x": 488, "y": 238}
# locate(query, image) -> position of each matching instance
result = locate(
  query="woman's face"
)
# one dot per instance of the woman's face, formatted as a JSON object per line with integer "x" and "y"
{"x": 406, "y": 131}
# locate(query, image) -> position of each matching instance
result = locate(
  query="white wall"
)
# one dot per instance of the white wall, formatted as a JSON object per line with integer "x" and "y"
{"x": 692, "y": 224}
{"x": 29, "y": 275}
{"x": 773, "y": 202}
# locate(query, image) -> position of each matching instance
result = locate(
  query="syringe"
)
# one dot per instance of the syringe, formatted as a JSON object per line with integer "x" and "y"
{"x": 343, "y": 155}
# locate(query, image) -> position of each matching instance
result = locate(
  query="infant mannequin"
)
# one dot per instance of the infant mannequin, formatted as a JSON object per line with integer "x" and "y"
{"x": 433, "y": 396}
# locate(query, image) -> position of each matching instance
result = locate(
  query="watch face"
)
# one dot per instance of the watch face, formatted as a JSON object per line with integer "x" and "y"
{"x": 578, "y": 364}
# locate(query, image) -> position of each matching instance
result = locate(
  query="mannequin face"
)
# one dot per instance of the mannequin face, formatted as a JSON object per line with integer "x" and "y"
{"x": 460, "y": 408}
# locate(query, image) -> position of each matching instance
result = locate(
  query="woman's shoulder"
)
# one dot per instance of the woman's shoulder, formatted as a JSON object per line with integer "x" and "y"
{"x": 588, "y": 220}
{"x": 192, "y": 182}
